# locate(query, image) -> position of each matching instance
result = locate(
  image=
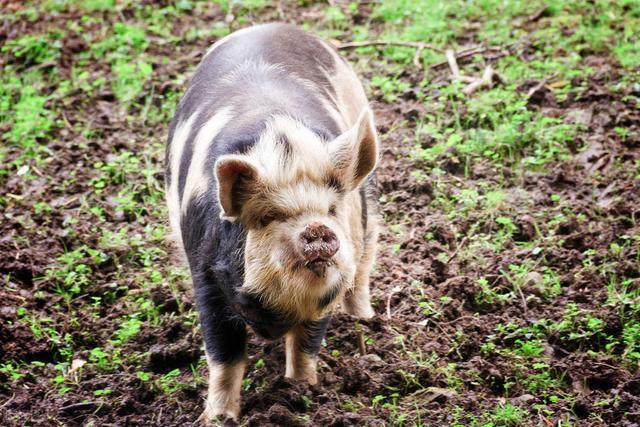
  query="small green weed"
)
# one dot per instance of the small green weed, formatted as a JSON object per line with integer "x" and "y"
{"x": 506, "y": 415}
{"x": 130, "y": 79}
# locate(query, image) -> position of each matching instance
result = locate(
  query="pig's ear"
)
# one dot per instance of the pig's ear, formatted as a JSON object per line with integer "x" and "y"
{"x": 355, "y": 152}
{"x": 237, "y": 177}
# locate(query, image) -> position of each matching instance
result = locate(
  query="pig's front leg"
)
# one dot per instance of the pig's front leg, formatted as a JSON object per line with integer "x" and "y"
{"x": 225, "y": 340}
{"x": 225, "y": 382}
{"x": 302, "y": 344}
{"x": 357, "y": 301}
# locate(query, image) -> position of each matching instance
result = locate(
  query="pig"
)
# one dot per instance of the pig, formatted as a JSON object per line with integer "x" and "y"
{"x": 270, "y": 187}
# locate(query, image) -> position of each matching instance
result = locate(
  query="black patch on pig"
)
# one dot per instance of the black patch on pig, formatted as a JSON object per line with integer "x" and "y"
{"x": 266, "y": 323}
{"x": 215, "y": 252}
{"x": 197, "y": 223}
{"x": 225, "y": 335}
{"x": 328, "y": 298}
{"x": 334, "y": 183}
{"x": 316, "y": 331}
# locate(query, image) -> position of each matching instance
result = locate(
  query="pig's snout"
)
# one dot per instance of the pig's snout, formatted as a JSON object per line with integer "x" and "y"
{"x": 318, "y": 242}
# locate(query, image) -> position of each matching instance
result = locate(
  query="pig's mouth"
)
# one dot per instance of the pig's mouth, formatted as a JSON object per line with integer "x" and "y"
{"x": 319, "y": 265}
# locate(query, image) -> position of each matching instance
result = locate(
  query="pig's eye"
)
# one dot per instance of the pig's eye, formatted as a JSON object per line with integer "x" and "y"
{"x": 270, "y": 217}
{"x": 332, "y": 210}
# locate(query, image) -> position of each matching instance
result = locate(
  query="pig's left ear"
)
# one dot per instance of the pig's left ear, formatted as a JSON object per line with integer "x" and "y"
{"x": 237, "y": 178}
{"x": 355, "y": 152}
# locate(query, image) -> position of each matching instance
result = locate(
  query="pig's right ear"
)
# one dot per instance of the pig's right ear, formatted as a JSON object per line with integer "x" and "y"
{"x": 355, "y": 152}
{"x": 236, "y": 177}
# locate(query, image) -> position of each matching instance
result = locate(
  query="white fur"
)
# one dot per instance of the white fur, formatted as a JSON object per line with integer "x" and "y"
{"x": 309, "y": 154}
{"x": 225, "y": 383}
{"x": 197, "y": 178}
{"x": 180, "y": 135}
{"x": 300, "y": 365}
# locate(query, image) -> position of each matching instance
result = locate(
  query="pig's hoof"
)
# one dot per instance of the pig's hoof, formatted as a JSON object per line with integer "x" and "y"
{"x": 215, "y": 415}
{"x": 361, "y": 311}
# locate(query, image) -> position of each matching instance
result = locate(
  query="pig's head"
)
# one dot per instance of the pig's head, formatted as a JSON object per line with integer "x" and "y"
{"x": 297, "y": 196}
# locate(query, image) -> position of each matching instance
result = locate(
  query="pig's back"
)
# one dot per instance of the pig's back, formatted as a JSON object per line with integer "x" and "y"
{"x": 266, "y": 70}
{"x": 259, "y": 62}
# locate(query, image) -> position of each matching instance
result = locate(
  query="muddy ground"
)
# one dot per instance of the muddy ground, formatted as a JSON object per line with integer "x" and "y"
{"x": 442, "y": 350}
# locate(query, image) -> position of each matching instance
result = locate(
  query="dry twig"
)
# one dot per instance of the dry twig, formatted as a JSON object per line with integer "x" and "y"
{"x": 458, "y": 246}
{"x": 524, "y": 302}
{"x": 365, "y": 43}
{"x": 461, "y": 55}
{"x": 535, "y": 16}
{"x": 362, "y": 348}
{"x": 280, "y": 11}
{"x": 455, "y": 70}
{"x": 453, "y": 63}
{"x": 474, "y": 83}
{"x": 457, "y": 319}
{"x": 419, "y": 46}
{"x": 416, "y": 57}
{"x": 486, "y": 81}
{"x": 540, "y": 85}
{"x": 82, "y": 406}
{"x": 394, "y": 291}
{"x": 8, "y": 401}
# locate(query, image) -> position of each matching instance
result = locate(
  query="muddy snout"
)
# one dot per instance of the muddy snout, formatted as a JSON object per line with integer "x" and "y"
{"x": 319, "y": 244}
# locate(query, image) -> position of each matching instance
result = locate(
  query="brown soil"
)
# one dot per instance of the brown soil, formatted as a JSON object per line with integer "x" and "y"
{"x": 414, "y": 367}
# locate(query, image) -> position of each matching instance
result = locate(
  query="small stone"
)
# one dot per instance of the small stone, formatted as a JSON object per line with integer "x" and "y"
{"x": 372, "y": 358}
{"x": 533, "y": 279}
{"x": 524, "y": 398}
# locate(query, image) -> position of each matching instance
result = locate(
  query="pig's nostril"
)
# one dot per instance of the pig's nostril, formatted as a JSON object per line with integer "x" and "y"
{"x": 318, "y": 242}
